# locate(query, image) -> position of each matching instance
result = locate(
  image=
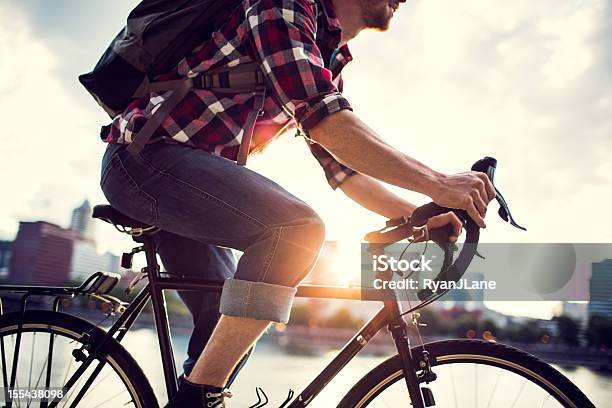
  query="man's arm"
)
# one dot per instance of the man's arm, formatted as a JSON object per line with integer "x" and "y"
{"x": 355, "y": 145}
{"x": 372, "y": 195}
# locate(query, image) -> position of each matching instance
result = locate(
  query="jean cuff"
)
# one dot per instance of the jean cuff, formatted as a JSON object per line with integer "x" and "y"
{"x": 256, "y": 300}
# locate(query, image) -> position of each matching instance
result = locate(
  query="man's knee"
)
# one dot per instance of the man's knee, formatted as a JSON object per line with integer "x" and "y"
{"x": 305, "y": 234}
{"x": 314, "y": 228}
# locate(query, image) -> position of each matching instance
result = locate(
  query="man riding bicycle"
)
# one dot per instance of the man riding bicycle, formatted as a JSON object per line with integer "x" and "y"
{"x": 186, "y": 181}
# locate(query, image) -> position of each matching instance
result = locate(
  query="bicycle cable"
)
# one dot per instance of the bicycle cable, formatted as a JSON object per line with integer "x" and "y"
{"x": 415, "y": 322}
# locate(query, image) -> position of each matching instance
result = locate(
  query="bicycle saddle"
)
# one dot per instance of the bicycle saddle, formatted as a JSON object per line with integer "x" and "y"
{"x": 113, "y": 216}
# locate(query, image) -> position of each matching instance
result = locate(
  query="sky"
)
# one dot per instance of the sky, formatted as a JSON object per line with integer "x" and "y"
{"x": 529, "y": 83}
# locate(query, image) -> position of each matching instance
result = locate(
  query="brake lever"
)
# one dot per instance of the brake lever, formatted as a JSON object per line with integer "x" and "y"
{"x": 488, "y": 165}
{"x": 504, "y": 210}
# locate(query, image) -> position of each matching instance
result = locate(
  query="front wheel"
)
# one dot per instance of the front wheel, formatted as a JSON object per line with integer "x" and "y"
{"x": 472, "y": 373}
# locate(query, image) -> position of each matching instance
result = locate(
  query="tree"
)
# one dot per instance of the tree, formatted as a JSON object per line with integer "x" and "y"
{"x": 528, "y": 332}
{"x": 342, "y": 319}
{"x": 568, "y": 330}
{"x": 599, "y": 331}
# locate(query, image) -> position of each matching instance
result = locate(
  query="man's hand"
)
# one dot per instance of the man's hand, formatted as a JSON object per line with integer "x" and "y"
{"x": 444, "y": 219}
{"x": 471, "y": 191}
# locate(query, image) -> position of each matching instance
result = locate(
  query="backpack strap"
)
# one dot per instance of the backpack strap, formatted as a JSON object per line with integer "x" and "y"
{"x": 249, "y": 126}
{"x": 142, "y": 138}
{"x": 240, "y": 78}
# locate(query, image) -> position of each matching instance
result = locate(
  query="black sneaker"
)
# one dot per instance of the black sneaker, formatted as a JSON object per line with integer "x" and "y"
{"x": 192, "y": 395}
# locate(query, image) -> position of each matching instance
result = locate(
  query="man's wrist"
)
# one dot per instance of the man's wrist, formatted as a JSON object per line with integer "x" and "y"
{"x": 431, "y": 183}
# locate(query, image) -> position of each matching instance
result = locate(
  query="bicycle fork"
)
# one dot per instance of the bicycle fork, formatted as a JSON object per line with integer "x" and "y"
{"x": 399, "y": 331}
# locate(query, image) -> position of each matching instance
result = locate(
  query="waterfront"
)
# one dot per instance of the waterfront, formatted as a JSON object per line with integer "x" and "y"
{"x": 276, "y": 371}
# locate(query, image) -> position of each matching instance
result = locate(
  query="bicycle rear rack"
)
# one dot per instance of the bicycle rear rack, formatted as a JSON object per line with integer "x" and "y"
{"x": 97, "y": 286}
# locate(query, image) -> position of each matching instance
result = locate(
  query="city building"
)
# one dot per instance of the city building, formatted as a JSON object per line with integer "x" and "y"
{"x": 600, "y": 289}
{"x": 45, "y": 253}
{"x": 86, "y": 260}
{"x": 5, "y": 257}
{"x": 41, "y": 254}
{"x": 85, "y": 257}
{"x": 81, "y": 221}
{"x": 578, "y": 311}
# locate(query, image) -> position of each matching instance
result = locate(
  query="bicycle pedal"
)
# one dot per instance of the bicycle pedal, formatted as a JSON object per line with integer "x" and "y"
{"x": 428, "y": 397}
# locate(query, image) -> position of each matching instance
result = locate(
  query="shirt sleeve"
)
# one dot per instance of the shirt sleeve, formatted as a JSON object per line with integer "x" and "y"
{"x": 335, "y": 172}
{"x": 284, "y": 43}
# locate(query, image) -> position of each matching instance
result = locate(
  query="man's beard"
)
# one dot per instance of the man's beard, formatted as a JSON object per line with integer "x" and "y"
{"x": 376, "y": 14}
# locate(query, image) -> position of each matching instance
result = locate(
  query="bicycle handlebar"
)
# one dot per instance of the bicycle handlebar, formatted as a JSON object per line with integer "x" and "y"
{"x": 402, "y": 228}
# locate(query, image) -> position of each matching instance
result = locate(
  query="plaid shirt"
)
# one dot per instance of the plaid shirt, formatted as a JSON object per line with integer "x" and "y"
{"x": 296, "y": 44}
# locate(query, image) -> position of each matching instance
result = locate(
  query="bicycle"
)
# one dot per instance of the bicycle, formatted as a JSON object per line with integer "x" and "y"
{"x": 420, "y": 375}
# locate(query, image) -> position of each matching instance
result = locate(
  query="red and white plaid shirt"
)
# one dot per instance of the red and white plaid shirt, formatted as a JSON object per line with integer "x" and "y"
{"x": 296, "y": 43}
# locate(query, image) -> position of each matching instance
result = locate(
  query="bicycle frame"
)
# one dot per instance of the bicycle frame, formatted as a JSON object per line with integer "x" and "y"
{"x": 389, "y": 315}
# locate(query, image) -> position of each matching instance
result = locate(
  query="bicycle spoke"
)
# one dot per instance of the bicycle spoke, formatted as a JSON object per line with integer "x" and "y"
{"x": 88, "y": 383}
{"x": 49, "y": 366}
{"x": 475, "y": 385}
{"x": 42, "y": 369}
{"x": 16, "y": 380}
{"x": 99, "y": 381}
{"x": 453, "y": 383}
{"x": 384, "y": 401}
{"x": 38, "y": 380}
{"x": 16, "y": 349}
{"x": 111, "y": 398}
{"x": 519, "y": 393}
{"x": 31, "y": 364}
{"x": 545, "y": 400}
{"x": 67, "y": 371}
{"x": 499, "y": 374}
{"x": 73, "y": 388}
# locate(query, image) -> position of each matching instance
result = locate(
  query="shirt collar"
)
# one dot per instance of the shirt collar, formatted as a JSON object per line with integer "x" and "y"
{"x": 329, "y": 11}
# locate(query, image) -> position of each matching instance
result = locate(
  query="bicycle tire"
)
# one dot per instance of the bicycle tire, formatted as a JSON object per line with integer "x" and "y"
{"x": 72, "y": 327}
{"x": 470, "y": 351}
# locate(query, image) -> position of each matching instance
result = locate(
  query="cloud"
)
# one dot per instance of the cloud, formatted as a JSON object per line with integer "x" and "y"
{"x": 46, "y": 134}
{"x": 527, "y": 82}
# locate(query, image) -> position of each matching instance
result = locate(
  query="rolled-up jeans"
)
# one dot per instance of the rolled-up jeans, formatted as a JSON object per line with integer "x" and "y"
{"x": 197, "y": 195}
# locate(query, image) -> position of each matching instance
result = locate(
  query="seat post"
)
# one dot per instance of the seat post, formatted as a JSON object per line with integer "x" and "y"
{"x": 150, "y": 256}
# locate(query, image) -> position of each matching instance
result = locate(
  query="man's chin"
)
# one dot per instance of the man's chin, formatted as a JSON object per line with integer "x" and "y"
{"x": 382, "y": 25}
{"x": 378, "y": 18}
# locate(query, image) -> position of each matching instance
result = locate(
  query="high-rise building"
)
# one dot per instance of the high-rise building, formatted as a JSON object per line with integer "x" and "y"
{"x": 41, "y": 254}
{"x": 600, "y": 289}
{"x": 5, "y": 256}
{"x": 86, "y": 260}
{"x": 81, "y": 221}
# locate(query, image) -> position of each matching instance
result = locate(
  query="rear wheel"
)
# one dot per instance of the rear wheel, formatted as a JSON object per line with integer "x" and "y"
{"x": 48, "y": 341}
{"x": 472, "y": 373}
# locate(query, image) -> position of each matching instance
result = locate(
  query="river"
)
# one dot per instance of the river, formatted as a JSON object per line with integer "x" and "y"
{"x": 276, "y": 371}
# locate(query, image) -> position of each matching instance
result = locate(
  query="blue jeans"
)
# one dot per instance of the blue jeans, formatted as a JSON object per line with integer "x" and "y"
{"x": 204, "y": 204}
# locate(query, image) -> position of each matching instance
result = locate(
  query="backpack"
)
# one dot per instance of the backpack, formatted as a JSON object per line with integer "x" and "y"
{"x": 159, "y": 34}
